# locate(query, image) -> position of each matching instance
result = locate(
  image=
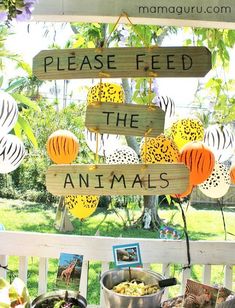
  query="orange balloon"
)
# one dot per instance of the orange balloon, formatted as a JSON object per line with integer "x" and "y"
{"x": 185, "y": 193}
{"x": 199, "y": 159}
{"x": 62, "y": 147}
{"x": 232, "y": 173}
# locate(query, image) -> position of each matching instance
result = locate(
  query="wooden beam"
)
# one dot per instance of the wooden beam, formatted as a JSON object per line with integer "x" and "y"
{"x": 122, "y": 62}
{"x": 117, "y": 179}
{"x": 200, "y": 13}
{"x": 125, "y": 119}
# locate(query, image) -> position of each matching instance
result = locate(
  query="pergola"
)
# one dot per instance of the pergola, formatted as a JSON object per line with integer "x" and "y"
{"x": 200, "y": 13}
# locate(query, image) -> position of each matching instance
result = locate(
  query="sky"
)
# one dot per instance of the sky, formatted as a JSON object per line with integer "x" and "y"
{"x": 30, "y": 39}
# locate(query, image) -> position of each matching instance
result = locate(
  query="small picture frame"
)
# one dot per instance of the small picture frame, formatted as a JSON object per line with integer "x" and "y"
{"x": 127, "y": 255}
{"x": 69, "y": 271}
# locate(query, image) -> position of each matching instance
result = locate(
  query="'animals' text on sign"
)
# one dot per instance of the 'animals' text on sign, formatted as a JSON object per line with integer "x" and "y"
{"x": 125, "y": 119}
{"x": 136, "y": 179}
{"x": 122, "y": 62}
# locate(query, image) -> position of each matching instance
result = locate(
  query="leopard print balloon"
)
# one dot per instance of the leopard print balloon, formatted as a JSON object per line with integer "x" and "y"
{"x": 106, "y": 92}
{"x": 81, "y": 206}
{"x": 159, "y": 150}
{"x": 186, "y": 130}
{"x": 218, "y": 183}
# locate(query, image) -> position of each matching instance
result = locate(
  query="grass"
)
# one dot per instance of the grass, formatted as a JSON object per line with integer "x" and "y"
{"x": 204, "y": 223}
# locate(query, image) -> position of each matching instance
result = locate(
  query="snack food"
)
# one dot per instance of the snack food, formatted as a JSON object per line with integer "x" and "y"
{"x": 135, "y": 288}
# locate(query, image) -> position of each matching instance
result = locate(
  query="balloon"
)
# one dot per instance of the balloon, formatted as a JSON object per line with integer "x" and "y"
{"x": 186, "y": 130}
{"x": 159, "y": 150}
{"x": 187, "y": 192}
{"x": 12, "y": 152}
{"x": 218, "y": 183}
{"x": 199, "y": 159}
{"x": 106, "y": 142}
{"x": 62, "y": 147}
{"x": 166, "y": 104}
{"x": 8, "y": 113}
{"x": 232, "y": 173}
{"x": 81, "y": 206}
{"x": 106, "y": 92}
{"x": 122, "y": 155}
{"x": 220, "y": 139}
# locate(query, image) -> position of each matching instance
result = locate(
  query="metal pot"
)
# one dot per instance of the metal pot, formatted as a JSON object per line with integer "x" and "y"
{"x": 79, "y": 300}
{"x": 113, "y": 277}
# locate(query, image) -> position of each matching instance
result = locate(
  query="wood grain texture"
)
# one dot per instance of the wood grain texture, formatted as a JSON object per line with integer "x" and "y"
{"x": 125, "y": 119}
{"x": 118, "y": 179}
{"x": 141, "y": 12}
{"x": 122, "y": 62}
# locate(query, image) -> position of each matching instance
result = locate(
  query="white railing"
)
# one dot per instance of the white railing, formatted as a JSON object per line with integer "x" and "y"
{"x": 94, "y": 248}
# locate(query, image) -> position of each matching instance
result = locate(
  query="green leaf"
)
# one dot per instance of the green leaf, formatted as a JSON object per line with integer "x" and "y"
{"x": 168, "y": 198}
{"x": 15, "y": 85}
{"x": 18, "y": 130}
{"x": 28, "y": 130}
{"x": 26, "y": 101}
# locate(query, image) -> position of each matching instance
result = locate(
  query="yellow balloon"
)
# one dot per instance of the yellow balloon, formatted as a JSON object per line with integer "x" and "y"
{"x": 106, "y": 92}
{"x": 159, "y": 150}
{"x": 187, "y": 130}
{"x": 81, "y": 206}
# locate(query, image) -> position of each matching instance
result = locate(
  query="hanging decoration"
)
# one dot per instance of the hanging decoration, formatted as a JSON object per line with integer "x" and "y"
{"x": 221, "y": 140}
{"x": 81, "y": 206}
{"x": 12, "y": 152}
{"x": 168, "y": 106}
{"x": 106, "y": 92}
{"x": 218, "y": 183}
{"x": 8, "y": 113}
{"x": 159, "y": 150}
{"x": 199, "y": 159}
{"x": 232, "y": 173}
{"x": 122, "y": 155}
{"x": 186, "y": 130}
{"x": 62, "y": 147}
{"x": 106, "y": 142}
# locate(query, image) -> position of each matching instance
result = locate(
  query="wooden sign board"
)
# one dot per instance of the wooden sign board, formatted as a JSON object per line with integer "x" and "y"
{"x": 122, "y": 62}
{"x": 135, "y": 179}
{"x": 125, "y": 119}
{"x": 200, "y": 13}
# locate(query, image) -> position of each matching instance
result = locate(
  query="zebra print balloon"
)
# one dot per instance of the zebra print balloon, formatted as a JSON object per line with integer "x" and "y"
{"x": 12, "y": 152}
{"x": 166, "y": 104}
{"x": 221, "y": 141}
{"x": 8, "y": 113}
{"x": 106, "y": 142}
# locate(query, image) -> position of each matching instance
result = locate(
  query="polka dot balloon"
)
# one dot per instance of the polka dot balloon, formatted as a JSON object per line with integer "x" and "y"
{"x": 122, "y": 155}
{"x": 218, "y": 183}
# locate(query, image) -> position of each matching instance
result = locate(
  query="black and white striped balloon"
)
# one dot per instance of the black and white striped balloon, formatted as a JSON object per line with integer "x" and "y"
{"x": 166, "y": 104}
{"x": 8, "y": 113}
{"x": 106, "y": 142}
{"x": 12, "y": 152}
{"x": 221, "y": 141}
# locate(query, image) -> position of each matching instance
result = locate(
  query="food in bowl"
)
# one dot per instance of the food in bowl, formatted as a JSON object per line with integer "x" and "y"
{"x": 135, "y": 288}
